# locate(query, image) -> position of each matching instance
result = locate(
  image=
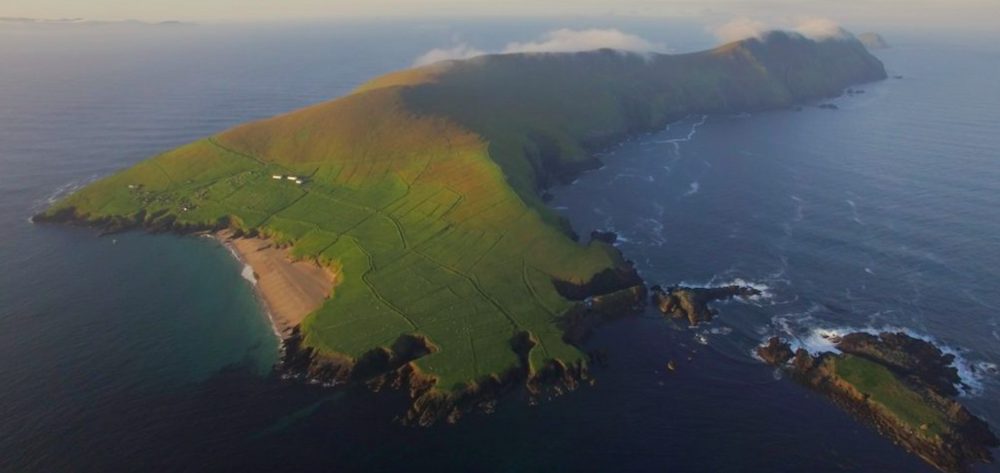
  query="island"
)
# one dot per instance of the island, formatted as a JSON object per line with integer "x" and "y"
{"x": 901, "y": 385}
{"x": 418, "y": 201}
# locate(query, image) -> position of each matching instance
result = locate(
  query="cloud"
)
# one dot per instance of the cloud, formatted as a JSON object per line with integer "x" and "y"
{"x": 821, "y": 28}
{"x": 740, "y": 28}
{"x": 458, "y": 51}
{"x": 557, "y": 41}
{"x": 813, "y": 28}
{"x": 566, "y": 40}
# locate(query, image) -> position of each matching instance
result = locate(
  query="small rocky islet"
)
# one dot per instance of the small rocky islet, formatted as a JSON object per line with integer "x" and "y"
{"x": 903, "y": 386}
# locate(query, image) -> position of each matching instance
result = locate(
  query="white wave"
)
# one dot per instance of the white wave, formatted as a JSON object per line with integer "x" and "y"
{"x": 720, "y": 330}
{"x": 654, "y": 229}
{"x": 869, "y": 271}
{"x": 854, "y": 212}
{"x": 693, "y": 189}
{"x": 690, "y": 135}
{"x": 248, "y": 274}
{"x": 624, "y": 175}
{"x": 764, "y": 289}
{"x": 799, "y": 209}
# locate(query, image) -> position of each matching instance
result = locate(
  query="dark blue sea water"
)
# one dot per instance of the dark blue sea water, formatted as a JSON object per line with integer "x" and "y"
{"x": 150, "y": 353}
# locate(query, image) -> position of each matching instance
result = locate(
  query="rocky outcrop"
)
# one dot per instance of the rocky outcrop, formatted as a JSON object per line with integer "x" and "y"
{"x": 894, "y": 383}
{"x": 692, "y": 303}
{"x": 608, "y": 237}
{"x": 775, "y": 352}
{"x": 610, "y": 280}
{"x": 919, "y": 361}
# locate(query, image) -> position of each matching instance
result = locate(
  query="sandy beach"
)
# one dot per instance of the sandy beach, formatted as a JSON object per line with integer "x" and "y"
{"x": 289, "y": 289}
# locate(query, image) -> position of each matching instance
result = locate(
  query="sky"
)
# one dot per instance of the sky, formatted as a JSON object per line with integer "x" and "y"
{"x": 960, "y": 13}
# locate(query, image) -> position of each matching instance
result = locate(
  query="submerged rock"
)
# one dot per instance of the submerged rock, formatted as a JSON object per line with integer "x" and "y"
{"x": 691, "y": 303}
{"x": 900, "y": 385}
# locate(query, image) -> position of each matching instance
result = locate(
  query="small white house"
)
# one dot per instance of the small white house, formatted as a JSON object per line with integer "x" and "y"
{"x": 277, "y": 176}
{"x": 298, "y": 181}
{"x": 291, "y": 178}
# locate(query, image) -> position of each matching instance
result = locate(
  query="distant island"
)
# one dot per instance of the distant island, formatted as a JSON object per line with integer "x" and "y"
{"x": 399, "y": 235}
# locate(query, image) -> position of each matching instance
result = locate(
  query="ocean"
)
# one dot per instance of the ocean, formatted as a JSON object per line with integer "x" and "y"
{"x": 138, "y": 352}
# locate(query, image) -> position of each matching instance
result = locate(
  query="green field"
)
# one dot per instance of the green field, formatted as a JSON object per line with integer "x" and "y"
{"x": 887, "y": 391}
{"x": 422, "y": 187}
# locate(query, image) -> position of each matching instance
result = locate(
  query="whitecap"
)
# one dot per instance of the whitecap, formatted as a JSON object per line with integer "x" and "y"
{"x": 693, "y": 189}
{"x": 854, "y": 212}
{"x": 720, "y": 330}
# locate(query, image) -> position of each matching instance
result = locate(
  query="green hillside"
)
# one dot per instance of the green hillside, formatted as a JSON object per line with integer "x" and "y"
{"x": 422, "y": 187}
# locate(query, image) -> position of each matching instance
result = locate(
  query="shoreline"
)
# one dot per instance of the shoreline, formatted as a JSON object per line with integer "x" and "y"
{"x": 288, "y": 290}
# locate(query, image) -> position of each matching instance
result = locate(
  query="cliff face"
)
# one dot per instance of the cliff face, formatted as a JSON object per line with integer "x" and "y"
{"x": 421, "y": 189}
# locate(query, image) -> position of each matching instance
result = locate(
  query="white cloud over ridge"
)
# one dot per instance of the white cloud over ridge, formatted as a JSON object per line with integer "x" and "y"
{"x": 566, "y": 40}
{"x": 458, "y": 51}
{"x": 740, "y": 28}
{"x": 563, "y": 40}
{"x": 813, "y": 28}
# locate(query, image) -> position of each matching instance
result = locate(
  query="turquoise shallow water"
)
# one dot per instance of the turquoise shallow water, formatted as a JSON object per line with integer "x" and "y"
{"x": 150, "y": 352}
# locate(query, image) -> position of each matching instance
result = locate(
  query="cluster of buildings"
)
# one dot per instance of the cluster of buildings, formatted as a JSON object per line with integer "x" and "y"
{"x": 297, "y": 179}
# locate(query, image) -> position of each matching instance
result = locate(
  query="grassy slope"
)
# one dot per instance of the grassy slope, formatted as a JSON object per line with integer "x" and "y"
{"x": 422, "y": 185}
{"x": 887, "y": 391}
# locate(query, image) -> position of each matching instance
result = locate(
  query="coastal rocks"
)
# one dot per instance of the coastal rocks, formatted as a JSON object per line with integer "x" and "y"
{"x": 775, "y": 352}
{"x": 580, "y": 321}
{"x": 610, "y": 280}
{"x": 918, "y": 360}
{"x": 692, "y": 303}
{"x": 894, "y": 382}
{"x": 608, "y": 237}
